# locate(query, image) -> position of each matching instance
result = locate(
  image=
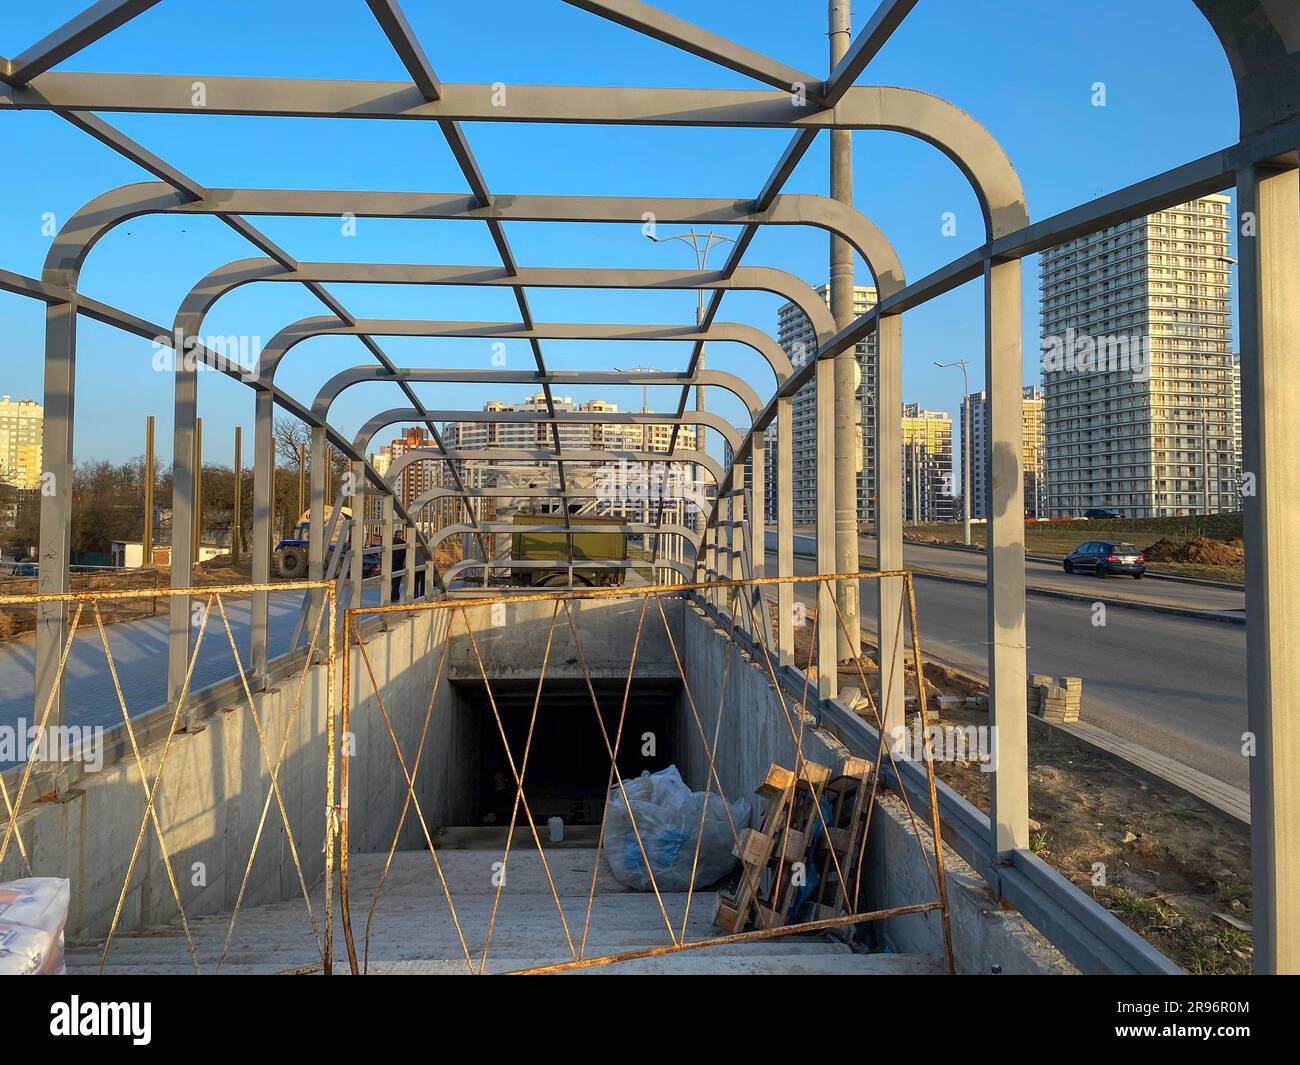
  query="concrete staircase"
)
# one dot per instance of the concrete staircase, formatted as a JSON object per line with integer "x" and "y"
{"x": 413, "y": 932}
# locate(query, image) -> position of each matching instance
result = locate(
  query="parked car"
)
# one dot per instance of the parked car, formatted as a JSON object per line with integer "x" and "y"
{"x": 1099, "y": 512}
{"x": 1104, "y": 557}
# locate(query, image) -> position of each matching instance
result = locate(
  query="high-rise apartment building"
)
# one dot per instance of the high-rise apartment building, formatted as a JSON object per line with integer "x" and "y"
{"x": 1236, "y": 414}
{"x": 975, "y": 481}
{"x": 21, "y": 424}
{"x": 1137, "y": 370}
{"x": 795, "y": 334}
{"x": 927, "y": 465}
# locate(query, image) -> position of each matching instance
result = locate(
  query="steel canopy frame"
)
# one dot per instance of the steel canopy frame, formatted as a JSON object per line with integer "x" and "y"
{"x": 1261, "y": 47}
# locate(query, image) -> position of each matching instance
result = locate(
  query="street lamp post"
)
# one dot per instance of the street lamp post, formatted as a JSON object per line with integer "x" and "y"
{"x": 967, "y": 471}
{"x": 701, "y": 244}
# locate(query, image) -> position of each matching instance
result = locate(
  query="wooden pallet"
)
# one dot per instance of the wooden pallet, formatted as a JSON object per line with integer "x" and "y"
{"x": 848, "y": 794}
{"x": 768, "y": 854}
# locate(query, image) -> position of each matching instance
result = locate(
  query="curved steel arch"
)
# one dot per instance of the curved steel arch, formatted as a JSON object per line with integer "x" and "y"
{"x": 908, "y": 111}
{"x": 506, "y": 454}
{"x": 99, "y": 216}
{"x": 200, "y": 299}
{"x": 323, "y": 325}
{"x": 397, "y": 415}
{"x": 356, "y": 375}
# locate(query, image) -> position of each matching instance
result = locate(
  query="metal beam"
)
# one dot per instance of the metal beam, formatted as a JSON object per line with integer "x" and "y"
{"x": 400, "y": 35}
{"x": 866, "y": 45}
{"x": 661, "y": 26}
{"x": 98, "y": 20}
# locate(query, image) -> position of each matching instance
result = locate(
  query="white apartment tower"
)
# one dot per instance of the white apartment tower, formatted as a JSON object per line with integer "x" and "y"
{"x": 975, "y": 481}
{"x": 795, "y": 334}
{"x": 1137, "y": 367}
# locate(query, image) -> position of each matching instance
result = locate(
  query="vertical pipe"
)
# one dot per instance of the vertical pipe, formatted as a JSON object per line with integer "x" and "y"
{"x": 358, "y": 504}
{"x": 316, "y": 523}
{"x": 785, "y": 529}
{"x": 198, "y": 488}
{"x": 758, "y": 532}
{"x": 302, "y": 481}
{"x": 147, "y": 474}
{"x": 736, "y": 571}
{"x": 1270, "y": 382}
{"x": 889, "y": 517}
{"x": 386, "y": 585}
{"x": 1009, "y": 803}
{"x": 56, "y": 505}
{"x": 237, "y": 530}
{"x": 263, "y": 533}
{"x": 847, "y": 445}
{"x": 408, "y": 594}
{"x": 827, "y": 639}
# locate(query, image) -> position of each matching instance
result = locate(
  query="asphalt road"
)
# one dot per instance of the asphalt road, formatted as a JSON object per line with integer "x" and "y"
{"x": 1050, "y": 575}
{"x": 1172, "y": 683}
{"x": 1181, "y": 594}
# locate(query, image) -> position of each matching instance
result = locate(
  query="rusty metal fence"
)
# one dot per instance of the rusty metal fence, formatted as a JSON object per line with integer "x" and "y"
{"x": 741, "y": 602}
{"x": 88, "y": 610}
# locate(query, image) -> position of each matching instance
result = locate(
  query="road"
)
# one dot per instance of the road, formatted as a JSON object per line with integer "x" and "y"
{"x": 1048, "y": 575}
{"x": 1172, "y": 683}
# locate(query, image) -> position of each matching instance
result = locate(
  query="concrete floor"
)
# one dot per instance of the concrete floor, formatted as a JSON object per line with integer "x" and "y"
{"x": 413, "y": 932}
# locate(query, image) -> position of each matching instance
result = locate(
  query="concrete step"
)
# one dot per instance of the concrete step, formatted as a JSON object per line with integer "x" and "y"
{"x": 700, "y": 962}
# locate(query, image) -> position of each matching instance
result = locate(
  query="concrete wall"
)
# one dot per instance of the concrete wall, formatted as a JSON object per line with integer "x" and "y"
{"x": 757, "y": 732}
{"x": 511, "y": 639}
{"x": 216, "y": 779}
{"x": 216, "y": 782}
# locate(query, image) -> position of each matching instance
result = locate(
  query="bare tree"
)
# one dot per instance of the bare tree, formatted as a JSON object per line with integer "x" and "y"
{"x": 292, "y": 439}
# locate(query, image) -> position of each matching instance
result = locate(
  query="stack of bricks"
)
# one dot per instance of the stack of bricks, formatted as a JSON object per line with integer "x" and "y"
{"x": 1037, "y": 682}
{"x": 1060, "y": 701}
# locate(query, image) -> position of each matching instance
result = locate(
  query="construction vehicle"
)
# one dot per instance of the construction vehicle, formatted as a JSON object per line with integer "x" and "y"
{"x": 552, "y": 546}
{"x": 290, "y": 556}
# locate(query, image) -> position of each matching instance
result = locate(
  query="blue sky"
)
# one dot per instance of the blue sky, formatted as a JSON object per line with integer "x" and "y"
{"x": 1026, "y": 74}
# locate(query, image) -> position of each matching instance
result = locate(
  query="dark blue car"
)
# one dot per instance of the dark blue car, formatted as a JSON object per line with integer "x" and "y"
{"x": 1102, "y": 558}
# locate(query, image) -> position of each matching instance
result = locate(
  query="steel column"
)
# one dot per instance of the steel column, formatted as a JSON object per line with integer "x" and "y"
{"x": 848, "y": 448}
{"x": 1270, "y": 385}
{"x": 53, "y": 575}
{"x": 889, "y": 518}
{"x": 263, "y": 533}
{"x": 184, "y": 509}
{"x": 827, "y": 623}
{"x": 1005, "y": 594}
{"x": 785, "y": 528}
{"x": 358, "y": 504}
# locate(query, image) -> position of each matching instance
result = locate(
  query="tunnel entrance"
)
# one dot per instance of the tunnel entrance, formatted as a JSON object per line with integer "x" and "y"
{"x": 568, "y": 763}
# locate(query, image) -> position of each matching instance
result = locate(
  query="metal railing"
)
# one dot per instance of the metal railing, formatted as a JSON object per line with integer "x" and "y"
{"x": 86, "y": 610}
{"x": 740, "y": 596}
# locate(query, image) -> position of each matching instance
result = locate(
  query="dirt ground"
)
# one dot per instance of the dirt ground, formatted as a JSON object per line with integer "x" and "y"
{"x": 1171, "y": 867}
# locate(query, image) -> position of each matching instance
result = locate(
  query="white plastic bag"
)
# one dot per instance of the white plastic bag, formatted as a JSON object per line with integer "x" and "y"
{"x": 29, "y": 951}
{"x": 33, "y": 912}
{"x": 667, "y": 815}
